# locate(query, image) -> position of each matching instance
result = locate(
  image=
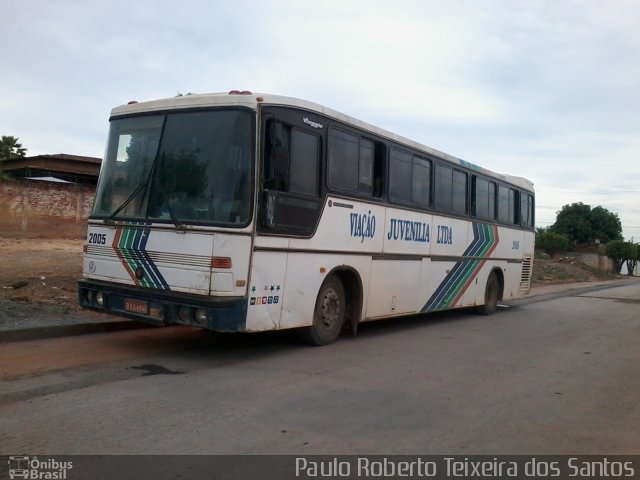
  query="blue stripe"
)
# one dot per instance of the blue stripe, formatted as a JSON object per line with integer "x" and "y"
{"x": 137, "y": 250}
{"x": 150, "y": 266}
{"x": 459, "y": 270}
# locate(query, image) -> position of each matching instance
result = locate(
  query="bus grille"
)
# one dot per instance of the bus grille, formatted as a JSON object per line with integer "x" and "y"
{"x": 525, "y": 278}
{"x": 157, "y": 257}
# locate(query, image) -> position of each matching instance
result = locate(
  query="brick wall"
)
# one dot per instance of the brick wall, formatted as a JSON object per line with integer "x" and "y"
{"x": 36, "y": 208}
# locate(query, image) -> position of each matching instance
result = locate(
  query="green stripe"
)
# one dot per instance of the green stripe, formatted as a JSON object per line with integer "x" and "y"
{"x": 468, "y": 269}
{"x": 466, "y": 273}
{"x": 125, "y": 244}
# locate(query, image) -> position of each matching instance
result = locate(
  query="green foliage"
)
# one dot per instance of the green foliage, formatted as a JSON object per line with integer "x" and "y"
{"x": 552, "y": 242}
{"x": 10, "y": 148}
{"x": 605, "y": 225}
{"x": 582, "y": 224}
{"x": 622, "y": 252}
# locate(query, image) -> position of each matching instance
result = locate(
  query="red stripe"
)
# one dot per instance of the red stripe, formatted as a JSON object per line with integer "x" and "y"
{"x": 478, "y": 268}
{"x": 116, "y": 247}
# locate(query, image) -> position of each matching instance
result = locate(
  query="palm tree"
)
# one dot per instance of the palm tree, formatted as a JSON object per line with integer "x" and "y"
{"x": 10, "y": 148}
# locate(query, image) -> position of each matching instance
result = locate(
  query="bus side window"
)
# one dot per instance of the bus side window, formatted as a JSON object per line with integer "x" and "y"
{"x": 277, "y": 174}
{"x": 492, "y": 201}
{"x": 526, "y": 210}
{"x": 303, "y": 162}
{"x": 355, "y": 164}
{"x": 514, "y": 207}
{"x": 290, "y": 202}
{"x": 483, "y": 198}
{"x": 421, "y": 182}
{"x": 400, "y": 166}
{"x": 365, "y": 169}
{"x": 508, "y": 206}
{"x": 459, "y": 193}
{"x": 379, "y": 160}
{"x": 443, "y": 188}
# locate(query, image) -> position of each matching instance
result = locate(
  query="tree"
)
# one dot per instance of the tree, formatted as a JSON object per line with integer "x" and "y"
{"x": 10, "y": 149}
{"x": 632, "y": 262}
{"x": 622, "y": 252}
{"x": 605, "y": 225}
{"x": 552, "y": 242}
{"x": 582, "y": 224}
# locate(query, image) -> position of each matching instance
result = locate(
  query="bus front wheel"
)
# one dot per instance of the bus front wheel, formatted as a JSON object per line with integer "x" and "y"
{"x": 328, "y": 315}
{"x": 491, "y": 295}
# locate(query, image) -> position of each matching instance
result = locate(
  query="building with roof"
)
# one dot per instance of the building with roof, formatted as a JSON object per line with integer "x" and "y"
{"x": 59, "y": 167}
{"x": 48, "y": 195}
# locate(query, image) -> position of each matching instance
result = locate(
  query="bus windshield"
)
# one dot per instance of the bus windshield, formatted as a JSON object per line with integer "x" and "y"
{"x": 189, "y": 167}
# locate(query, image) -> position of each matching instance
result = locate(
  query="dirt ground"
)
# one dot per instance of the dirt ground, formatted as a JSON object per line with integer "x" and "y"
{"x": 40, "y": 273}
{"x": 566, "y": 269}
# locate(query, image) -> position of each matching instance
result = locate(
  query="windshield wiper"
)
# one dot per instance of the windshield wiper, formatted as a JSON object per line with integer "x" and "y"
{"x": 179, "y": 225}
{"x": 141, "y": 187}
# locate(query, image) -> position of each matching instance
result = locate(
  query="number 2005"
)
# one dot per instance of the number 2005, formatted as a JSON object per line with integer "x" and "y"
{"x": 98, "y": 238}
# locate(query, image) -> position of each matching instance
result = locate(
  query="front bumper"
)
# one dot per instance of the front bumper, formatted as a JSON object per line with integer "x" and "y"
{"x": 223, "y": 314}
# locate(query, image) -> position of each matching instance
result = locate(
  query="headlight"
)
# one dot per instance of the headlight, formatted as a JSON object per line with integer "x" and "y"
{"x": 185, "y": 314}
{"x": 100, "y": 299}
{"x": 201, "y": 316}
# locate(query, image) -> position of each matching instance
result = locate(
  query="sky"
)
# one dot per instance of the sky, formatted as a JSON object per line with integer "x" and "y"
{"x": 547, "y": 90}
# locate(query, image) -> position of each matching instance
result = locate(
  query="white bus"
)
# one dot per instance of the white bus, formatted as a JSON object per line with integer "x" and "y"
{"x": 249, "y": 212}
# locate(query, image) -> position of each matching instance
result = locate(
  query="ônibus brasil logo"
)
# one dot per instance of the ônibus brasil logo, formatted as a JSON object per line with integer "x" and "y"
{"x": 23, "y": 466}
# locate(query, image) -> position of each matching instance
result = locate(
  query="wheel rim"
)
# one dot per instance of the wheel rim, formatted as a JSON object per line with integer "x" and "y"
{"x": 329, "y": 309}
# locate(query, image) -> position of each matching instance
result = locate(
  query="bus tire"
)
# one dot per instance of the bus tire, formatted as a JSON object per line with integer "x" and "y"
{"x": 491, "y": 295}
{"x": 328, "y": 315}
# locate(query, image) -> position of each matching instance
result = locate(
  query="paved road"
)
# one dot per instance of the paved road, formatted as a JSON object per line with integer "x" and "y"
{"x": 554, "y": 375}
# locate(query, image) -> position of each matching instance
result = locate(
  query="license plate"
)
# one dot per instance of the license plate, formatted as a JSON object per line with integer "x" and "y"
{"x": 136, "y": 306}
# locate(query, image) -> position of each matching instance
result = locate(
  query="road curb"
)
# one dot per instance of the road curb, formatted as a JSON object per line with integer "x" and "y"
{"x": 38, "y": 333}
{"x": 76, "y": 329}
{"x": 571, "y": 289}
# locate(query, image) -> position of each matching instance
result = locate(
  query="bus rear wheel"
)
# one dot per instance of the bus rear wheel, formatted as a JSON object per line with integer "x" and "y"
{"x": 491, "y": 295}
{"x": 328, "y": 315}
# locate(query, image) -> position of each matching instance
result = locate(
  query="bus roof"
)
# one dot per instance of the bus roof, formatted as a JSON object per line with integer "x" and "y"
{"x": 252, "y": 100}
